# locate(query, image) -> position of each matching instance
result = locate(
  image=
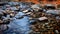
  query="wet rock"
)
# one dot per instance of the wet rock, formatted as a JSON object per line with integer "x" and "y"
{"x": 5, "y": 14}
{"x": 14, "y": 8}
{"x": 36, "y": 7}
{"x": 53, "y": 12}
{"x": 20, "y": 14}
{"x": 57, "y": 32}
{"x": 30, "y": 18}
{"x": 57, "y": 17}
{"x": 3, "y": 27}
{"x": 12, "y": 15}
{"x": 20, "y": 17}
{"x": 46, "y": 23}
{"x": 49, "y": 6}
{"x": 25, "y": 11}
{"x": 1, "y": 14}
{"x": 30, "y": 9}
{"x": 1, "y": 22}
{"x": 28, "y": 13}
{"x": 6, "y": 21}
{"x": 13, "y": 3}
{"x": 32, "y": 22}
{"x": 7, "y": 11}
{"x": 43, "y": 19}
{"x": 7, "y": 6}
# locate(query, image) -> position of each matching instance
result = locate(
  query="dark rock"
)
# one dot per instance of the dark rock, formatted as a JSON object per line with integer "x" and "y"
{"x": 7, "y": 21}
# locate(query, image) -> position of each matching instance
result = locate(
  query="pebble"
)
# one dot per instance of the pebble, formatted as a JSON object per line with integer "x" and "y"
{"x": 42, "y": 18}
{"x": 25, "y": 11}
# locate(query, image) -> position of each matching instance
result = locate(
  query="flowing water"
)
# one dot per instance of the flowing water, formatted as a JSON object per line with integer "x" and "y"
{"x": 19, "y": 26}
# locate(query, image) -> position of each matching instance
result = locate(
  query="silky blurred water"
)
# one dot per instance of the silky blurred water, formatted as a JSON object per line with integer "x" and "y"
{"x": 19, "y": 26}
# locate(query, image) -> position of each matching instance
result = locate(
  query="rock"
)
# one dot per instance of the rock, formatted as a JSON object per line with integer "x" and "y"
{"x": 53, "y": 12}
{"x": 3, "y": 27}
{"x": 20, "y": 17}
{"x": 46, "y": 23}
{"x": 1, "y": 14}
{"x": 6, "y": 21}
{"x": 30, "y": 9}
{"x": 49, "y": 6}
{"x": 4, "y": 14}
{"x": 25, "y": 11}
{"x": 13, "y": 3}
{"x": 1, "y": 10}
{"x": 30, "y": 18}
{"x": 11, "y": 14}
{"x": 14, "y": 8}
{"x": 7, "y": 6}
{"x": 1, "y": 21}
{"x": 32, "y": 22}
{"x": 8, "y": 11}
{"x": 28, "y": 13}
{"x": 20, "y": 14}
{"x": 42, "y": 18}
{"x": 57, "y": 17}
{"x": 57, "y": 32}
{"x": 36, "y": 6}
